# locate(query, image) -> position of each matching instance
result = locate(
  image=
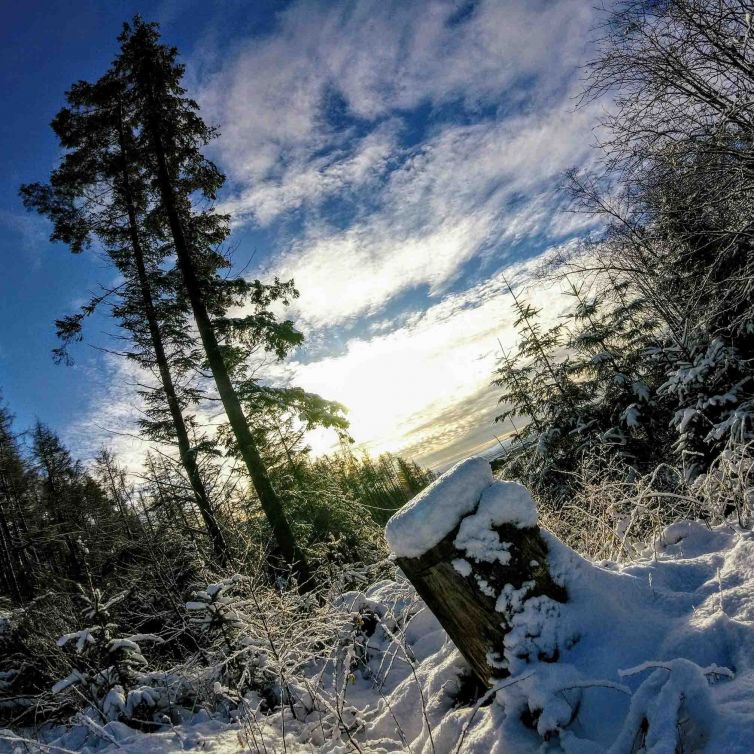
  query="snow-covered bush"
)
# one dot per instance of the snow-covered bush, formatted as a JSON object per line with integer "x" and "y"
{"x": 727, "y": 489}
{"x": 107, "y": 671}
{"x": 215, "y": 609}
{"x": 714, "y": 404}
{"x": 616, "y": 514}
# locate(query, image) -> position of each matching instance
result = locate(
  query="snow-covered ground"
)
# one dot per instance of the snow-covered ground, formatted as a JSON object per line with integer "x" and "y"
{"x": 664, "y": 645}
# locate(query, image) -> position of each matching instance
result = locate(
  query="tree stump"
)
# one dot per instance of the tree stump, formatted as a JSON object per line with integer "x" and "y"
{"x": 472, "y": 549}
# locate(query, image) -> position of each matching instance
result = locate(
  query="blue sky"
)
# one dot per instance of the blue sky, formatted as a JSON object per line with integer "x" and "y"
{"x": 395, "y": 158}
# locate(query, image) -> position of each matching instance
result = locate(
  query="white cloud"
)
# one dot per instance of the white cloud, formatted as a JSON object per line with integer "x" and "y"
{"x": 116, "y": 405}
{"x": 424, "y": 388}
{"x": 469, "y": 189}
{"x": 381, "y": 56}
{"x": 320, "y": 177}
{"x": 482, "y": 178}
{"x": 114, "y": 408}
{"x": 469, "y": 192}
{"x": 32, "y": 230}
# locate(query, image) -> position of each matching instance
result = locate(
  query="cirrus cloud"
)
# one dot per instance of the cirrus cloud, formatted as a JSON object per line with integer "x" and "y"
{"x": 400, "y": 158}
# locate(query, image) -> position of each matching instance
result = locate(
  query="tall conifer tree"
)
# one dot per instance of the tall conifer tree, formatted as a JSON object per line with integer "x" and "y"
{"x": 100, "y": 190}
{"x": 172, "y": 135}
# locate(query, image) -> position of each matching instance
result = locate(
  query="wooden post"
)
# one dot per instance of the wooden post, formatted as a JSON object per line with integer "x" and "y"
{"x": 487, "y": 579}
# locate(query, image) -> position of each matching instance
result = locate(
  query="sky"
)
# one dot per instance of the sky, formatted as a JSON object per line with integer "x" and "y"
{"x": 399, "y": 160}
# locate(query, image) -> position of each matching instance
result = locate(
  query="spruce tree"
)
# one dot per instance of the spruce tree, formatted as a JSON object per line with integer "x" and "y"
{"x": 72, "y": 505}
{"x": 539, "y": 383}
{"x": 99, "y": 191}
{"x": 172, "y": 136}
{"x": 130, "y": 175}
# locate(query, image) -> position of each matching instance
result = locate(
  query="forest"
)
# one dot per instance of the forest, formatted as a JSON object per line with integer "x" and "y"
{"x": 590, "y": 590}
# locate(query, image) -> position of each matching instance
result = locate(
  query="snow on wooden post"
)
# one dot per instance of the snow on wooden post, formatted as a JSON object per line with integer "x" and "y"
{"x": 472, "y": 549}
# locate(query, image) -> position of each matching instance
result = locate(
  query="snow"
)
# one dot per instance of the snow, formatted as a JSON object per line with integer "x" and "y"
{"x": 631, "y": 416}
{"x": 70, "y": 680}
{"x": 667, "y": 639}
{"x": 501, "y": 503}
{"x": 681, "y": 613}
{"x": 119, "y": 644}
{"x": 436, "y": 511}
{"x": 467, "y": 488}
{"x": 462, "y": 566}
{"x": 82, "y": 638}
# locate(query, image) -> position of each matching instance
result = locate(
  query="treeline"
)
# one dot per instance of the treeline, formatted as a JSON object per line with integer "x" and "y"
{"x": 63, "y": 523}
{"x": 99, "y": 569}
{"x": 111, "y": 601}
{"x": 650, "y": 373}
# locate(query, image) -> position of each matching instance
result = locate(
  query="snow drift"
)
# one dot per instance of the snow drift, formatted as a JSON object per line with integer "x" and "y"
{"x": 655, "y": 656}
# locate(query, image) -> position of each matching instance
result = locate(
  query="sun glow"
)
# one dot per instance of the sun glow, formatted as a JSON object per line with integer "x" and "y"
{"x": 393, "y": 384}
{"x": 397, "y": 386}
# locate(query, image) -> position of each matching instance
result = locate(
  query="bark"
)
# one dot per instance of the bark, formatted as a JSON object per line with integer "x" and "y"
{"x": 471, "y": 616}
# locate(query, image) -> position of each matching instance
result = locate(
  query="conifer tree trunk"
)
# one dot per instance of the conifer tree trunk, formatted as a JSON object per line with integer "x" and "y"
{"x": 118, "y": 501}
{"x": 188, "y": 458}
{"x": 8, "y": 569}
{"x": 268, "y": 497}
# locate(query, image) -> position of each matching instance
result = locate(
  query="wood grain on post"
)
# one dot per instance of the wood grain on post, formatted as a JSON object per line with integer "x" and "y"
{"x": 480, "y": 601}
